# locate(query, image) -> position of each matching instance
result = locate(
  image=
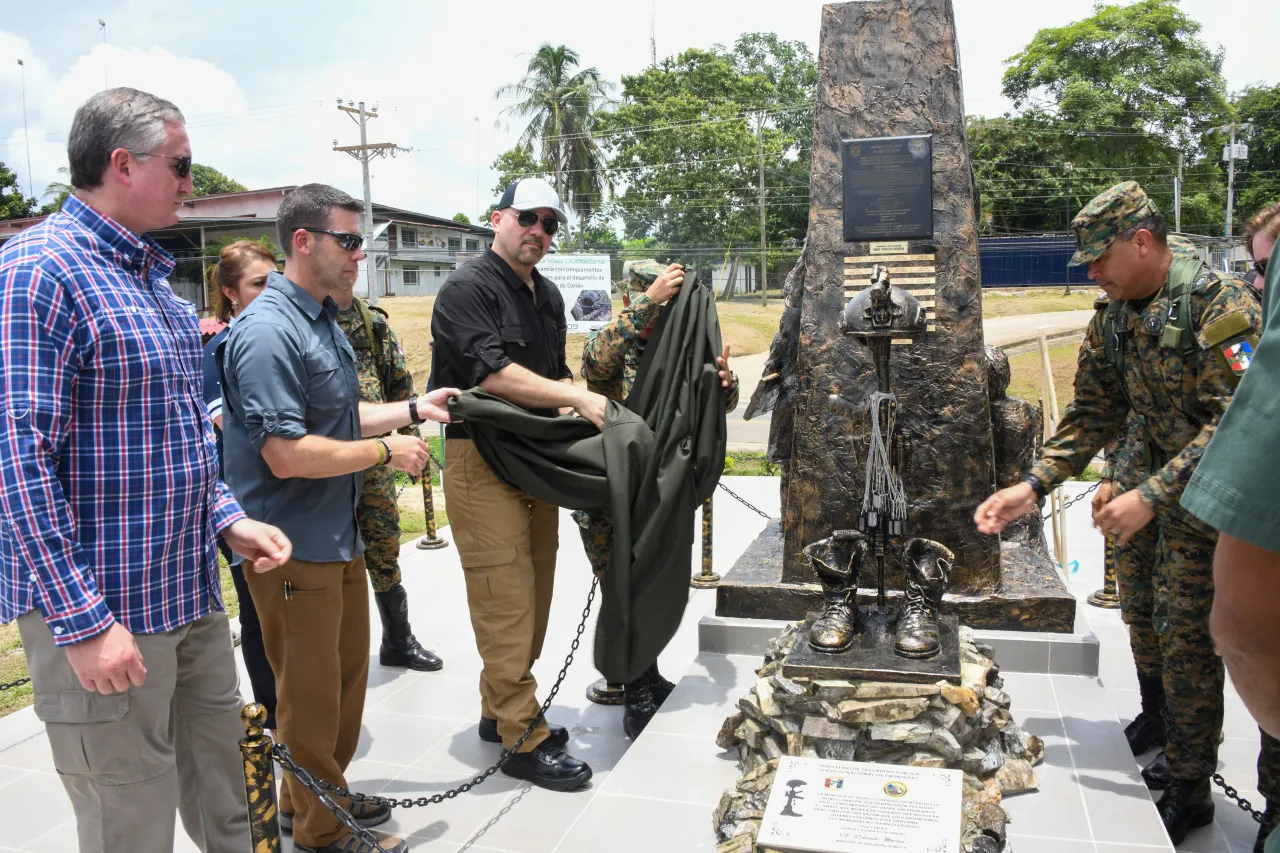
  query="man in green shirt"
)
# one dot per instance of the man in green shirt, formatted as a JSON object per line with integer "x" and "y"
{"x": 1233, "y": 490}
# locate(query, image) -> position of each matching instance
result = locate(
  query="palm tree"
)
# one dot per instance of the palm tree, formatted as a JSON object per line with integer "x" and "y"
{"x": 559, "y": 105}
{"x": 57, "y": 192}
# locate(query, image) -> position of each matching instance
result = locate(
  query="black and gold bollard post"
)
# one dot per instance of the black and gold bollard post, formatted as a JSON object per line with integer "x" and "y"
{"x": 602, "y": 692}
{"x": 1107, "y": 596}
{"x": 707, "y": 579}
{"x": 430, "y": 541}
{"x": 260, "y": 781}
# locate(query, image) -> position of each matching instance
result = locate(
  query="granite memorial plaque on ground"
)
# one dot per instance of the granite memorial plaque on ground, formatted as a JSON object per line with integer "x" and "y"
{"x": 822, "y": 806}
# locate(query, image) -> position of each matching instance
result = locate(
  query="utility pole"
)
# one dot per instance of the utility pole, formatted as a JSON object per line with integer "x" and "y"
{"x": 26, "y": 135}
{"x": 477, "y": 207}
{"x": 1177, "y": 198}
{"x": 102, "y": 25}
{"x": 1232, "y": 153}
{"x": 364, "y": 152}
{"x": 764, "y": 281}
{"x": 1066, "y": 290}
{"x": 653, "y": 36}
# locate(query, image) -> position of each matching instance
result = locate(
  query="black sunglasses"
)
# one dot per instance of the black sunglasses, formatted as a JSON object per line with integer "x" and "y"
{"x": 1261, "y": 266}
{"x": 348, "y": 241}
{"x": 526, "y": 218}
{"x": 181, "y": 165}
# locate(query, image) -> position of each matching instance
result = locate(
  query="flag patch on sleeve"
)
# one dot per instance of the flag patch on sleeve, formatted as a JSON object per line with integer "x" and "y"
{"x": 1238, "y": 356}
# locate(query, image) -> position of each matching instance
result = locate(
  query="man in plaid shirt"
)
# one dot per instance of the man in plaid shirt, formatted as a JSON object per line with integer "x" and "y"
{"x": 110, "y": 499}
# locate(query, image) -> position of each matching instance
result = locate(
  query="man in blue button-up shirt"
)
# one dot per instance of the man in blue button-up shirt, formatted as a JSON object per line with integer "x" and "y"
{"x": 110, "y": 500}
{"x": 297, "y": 441}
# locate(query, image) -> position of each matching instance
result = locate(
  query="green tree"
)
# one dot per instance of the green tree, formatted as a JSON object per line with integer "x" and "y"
{"x": 462, "y": 217}
{"x": 511, "y": 166}
{"x": 13, "y": 204}
{"x": 560, "y": 102}
{"x": 683, "y": 143}
{"x": 206, "y": 180}
{"x": 1258, "y": 178}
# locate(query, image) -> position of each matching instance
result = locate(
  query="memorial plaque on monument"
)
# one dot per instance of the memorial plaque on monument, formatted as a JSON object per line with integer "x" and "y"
{"x": 823, "y": 806}
{"x": 888, "y": 188}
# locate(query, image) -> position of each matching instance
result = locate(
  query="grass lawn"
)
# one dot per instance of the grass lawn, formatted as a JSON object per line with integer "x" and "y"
{"x": 1014, "y": 301}
{"x": 1027, "y": 371}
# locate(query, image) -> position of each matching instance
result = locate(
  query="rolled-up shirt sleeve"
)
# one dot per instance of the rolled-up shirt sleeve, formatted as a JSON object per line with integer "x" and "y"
{"x": 266, "y": 367}
{"x": 40, "y": 358}
{"x": 467, "y": 331}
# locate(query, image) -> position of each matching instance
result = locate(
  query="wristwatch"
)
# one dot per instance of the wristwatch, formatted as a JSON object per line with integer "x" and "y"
{"x": 414, "y": 417}
{"x": 1036, "y": 486}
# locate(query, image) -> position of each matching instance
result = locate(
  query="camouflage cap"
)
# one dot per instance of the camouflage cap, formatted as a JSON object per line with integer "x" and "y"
{"x": 1108, "y": 216}
{"x": 638, "y": 275}
{"x": 1182, "y": 247}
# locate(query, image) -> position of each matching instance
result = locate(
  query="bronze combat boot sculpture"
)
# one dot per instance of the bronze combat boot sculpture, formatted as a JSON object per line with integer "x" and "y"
{"x": 836, "y": 560}
{"x": 928, "y": 568}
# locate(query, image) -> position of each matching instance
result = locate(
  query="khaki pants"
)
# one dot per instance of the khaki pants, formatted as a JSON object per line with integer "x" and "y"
{"x": 507, "y": 543}
{"x": 316, "y": 633}
{"x": 130, "y": 761}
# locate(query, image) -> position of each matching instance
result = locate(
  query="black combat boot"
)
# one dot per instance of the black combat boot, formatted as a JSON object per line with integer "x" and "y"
{"x": 1187, "y": 804}
{"x": 639, "y": 706}
{"x": 399, "y": 646}
{"x": 1147, "y": 729}
{"x": 1156, "y": 773}
{"x": 548, "y": 766}
{"x": 836, "y": 561}
{"x": 928, "y": 567}
{"x": 660, "y": 686}
{"x": 1270, "y": 818}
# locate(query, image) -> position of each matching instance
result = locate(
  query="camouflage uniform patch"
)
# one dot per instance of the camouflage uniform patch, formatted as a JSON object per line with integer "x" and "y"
{"x": 1180, "y": 395}
{"x": 378, "y": 515}
{"x": 610, "y": 360}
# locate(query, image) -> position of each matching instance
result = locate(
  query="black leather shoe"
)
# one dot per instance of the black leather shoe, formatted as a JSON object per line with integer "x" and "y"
{"x": 639, "y": 706}
{"x": 1186, "y": 805}
{"x": 548, "y": 766}
{"x": 488, "y": 731}
{"x": 399, "y": 646}
{"x": 366, "y": 814}
{"x": 1156, "y": 773}
{"x": 350, "y": 844}
{"x": 1270, "y": 818}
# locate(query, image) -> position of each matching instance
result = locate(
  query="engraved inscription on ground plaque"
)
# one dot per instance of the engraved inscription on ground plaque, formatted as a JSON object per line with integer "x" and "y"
{"x": 822, "y": 806}
{"x": 888, "y": 188}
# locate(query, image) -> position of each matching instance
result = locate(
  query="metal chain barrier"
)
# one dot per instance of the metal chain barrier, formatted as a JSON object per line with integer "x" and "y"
{"x": 740, "y": 499}
{"x": 322, "y": 788}
{"x": 1067, "y": 505}
{"x": 1245, "y": 806}
{"x": 9, "y": 685}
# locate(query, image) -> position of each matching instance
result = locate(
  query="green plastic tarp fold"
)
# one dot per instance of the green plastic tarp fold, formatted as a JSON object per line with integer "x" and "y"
{"x": 659, "y": 456}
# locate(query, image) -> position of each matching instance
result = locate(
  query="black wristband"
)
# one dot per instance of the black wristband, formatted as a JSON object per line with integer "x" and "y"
{"x": 1036, "y": 485}
{"x": 414, "y": 417}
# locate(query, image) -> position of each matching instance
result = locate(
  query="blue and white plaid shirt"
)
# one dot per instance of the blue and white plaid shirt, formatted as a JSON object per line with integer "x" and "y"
{"x": 110, "y": 500}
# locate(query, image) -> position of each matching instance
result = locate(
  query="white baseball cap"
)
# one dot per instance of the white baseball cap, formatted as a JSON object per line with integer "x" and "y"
{"x": 531, "y": 194}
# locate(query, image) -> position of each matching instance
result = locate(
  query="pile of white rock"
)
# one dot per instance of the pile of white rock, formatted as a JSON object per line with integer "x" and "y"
{"x": 965, "y": 726}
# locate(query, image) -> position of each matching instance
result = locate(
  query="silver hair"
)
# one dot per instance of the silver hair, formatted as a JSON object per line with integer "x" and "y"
{"x": 115, "y": 118}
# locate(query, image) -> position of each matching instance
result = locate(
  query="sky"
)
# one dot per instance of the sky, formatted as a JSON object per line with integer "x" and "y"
{"x": 259, "y": 82}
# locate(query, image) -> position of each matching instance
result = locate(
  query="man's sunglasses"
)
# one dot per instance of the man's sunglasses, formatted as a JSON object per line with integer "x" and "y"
{"x": 1261, "y": 266}
{"x": 181, "y": 165}
{"x": 526, "y": 218}
{"x": 348, "y": 241}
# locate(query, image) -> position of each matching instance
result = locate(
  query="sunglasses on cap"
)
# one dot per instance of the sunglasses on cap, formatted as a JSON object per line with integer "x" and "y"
{"x": 526, "y": 218}
{"x": 348, "y": 241}
{"x": 181, "y": 165}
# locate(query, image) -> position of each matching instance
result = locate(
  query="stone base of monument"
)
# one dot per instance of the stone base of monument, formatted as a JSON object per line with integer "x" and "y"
{"x": 1031, "y": 596}
{"x": 872, "y": 656}
{"x": 964, "y": 726}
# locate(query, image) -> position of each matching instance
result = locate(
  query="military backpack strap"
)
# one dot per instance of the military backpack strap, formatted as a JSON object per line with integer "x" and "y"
{"x": 366, "y": 317}
{"x": 1185, "y": 274}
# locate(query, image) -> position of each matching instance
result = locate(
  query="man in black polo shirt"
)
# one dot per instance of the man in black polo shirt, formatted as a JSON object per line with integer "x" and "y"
{"x": 499, "y": 324}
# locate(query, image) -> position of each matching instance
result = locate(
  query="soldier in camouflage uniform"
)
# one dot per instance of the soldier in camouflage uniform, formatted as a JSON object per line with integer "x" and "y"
{"x": 1168, "y": 346}
{"x": 383, "y": 379}
{"x": 610, "y": 360}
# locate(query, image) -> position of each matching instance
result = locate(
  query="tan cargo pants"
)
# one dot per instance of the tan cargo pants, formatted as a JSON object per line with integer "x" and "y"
{"x": 507, "y": 542}
{"x": 130, "y": 761}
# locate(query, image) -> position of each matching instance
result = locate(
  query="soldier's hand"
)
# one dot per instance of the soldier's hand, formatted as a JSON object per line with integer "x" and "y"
{"x": 408, "y": 453}
{"x": 666, "y": 285}
{"x": 1101, "y": 498}
{"x": 1123, "y": 517}
{"x": 994, "y": 514}
{"x": 726, "y": 375}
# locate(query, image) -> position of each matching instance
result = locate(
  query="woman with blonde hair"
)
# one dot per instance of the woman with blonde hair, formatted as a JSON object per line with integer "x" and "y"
{"x": 234, "y": 281}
